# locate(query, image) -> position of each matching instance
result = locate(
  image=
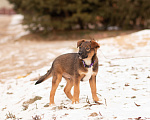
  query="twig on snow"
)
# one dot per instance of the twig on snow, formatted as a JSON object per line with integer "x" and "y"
{"x": 137, "y": 104}
{"x": 100, "y": 113}
{"x": 105, "y": 102}
{"x": 87, "y": 100}
{"x": 90, "y": 104}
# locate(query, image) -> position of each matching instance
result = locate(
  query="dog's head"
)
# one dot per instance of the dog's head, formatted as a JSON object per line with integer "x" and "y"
{"x": 87, "y": 49}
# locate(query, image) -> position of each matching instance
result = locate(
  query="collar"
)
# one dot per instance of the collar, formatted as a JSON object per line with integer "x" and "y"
{"x": 88, "y": 66}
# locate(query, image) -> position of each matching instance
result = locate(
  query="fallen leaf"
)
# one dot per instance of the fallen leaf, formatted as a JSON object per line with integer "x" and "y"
{"x": 47, "y": 105}
{"x": 139, "y": 118}
{"x": 9, "y": 93}
{"x": 148, "y": 76}
{"x": 94, "y": 114}
{"x": 18, "y": 77}
{"x": 127, "y": 84}
{"x": 135, "y": 89}
{"x": 134, "y": 74}
{"x": 133, "y": 97}
{"x": 100, "y": 64}
{"x": 137, "y": 104}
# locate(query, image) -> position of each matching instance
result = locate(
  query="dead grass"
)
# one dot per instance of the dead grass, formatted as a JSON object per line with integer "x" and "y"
{"x": 30, "y": 101}
{"x": 10, "y": 116}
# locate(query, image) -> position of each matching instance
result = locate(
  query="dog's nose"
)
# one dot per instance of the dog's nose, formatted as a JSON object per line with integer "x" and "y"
{"x": 80, "y": 53}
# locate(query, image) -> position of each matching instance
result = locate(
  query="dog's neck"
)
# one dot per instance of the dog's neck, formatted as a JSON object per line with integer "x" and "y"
{"x": 87, "y": 66}
{"x": 88, "y": 62}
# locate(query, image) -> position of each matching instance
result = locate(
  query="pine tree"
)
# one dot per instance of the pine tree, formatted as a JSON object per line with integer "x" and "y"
{"x": 46, "y": 15}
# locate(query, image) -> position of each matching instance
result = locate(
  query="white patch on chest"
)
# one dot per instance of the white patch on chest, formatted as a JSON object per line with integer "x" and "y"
{"x": 88, "y": 74}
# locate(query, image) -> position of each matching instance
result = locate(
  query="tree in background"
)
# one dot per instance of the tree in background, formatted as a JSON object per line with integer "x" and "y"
{"x": 126, "y": 14}
{"x": 46, "y": 15}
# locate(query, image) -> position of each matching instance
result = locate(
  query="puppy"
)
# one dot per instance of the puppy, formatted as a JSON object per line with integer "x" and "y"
{"x": 75, "y": 67}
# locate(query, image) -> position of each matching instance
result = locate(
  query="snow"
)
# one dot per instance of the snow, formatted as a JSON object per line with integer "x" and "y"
{"x": 123, "y": 82}
{"x": 15, "y": 29}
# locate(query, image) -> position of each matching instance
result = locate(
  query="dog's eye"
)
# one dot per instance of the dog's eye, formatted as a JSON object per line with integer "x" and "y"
{"x": 87, "y": 49}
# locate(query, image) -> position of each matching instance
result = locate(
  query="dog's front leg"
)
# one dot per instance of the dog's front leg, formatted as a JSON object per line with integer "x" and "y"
{"x": 92, "y": 82}
{"x": 76, "y": 90}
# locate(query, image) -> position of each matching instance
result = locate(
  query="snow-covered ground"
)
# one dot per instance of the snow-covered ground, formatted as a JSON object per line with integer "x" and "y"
{"x": 15, "y": 29}
{"x": 123, "y": 85}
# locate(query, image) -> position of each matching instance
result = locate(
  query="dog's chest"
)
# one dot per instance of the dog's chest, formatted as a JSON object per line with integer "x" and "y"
{"x": 88, "y": 74}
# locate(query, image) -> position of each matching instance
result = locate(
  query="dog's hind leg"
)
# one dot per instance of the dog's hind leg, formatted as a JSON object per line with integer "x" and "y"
{"x": 68, "y": 87}
{"x": 55, "y": 82}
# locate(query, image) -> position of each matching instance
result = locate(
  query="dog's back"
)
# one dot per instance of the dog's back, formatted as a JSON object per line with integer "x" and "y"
{"x": 63, "y": 64}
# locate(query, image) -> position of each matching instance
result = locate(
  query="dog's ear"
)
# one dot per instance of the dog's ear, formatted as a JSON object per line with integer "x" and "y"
{"x": 94, "y": 44}
{"x": 80, "y": 42}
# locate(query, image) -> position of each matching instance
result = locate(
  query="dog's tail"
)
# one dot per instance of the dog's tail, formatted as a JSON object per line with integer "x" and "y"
{"x": 44, "y": 77}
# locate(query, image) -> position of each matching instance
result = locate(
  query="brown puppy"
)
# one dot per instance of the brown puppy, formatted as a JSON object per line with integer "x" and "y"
{"x": 75, "y": 67}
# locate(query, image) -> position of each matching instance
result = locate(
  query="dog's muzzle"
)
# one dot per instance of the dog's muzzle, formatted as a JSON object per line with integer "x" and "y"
{"x": 82, "y": 56}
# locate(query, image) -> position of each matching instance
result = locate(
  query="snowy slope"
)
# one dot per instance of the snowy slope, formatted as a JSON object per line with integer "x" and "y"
{"x": 15, "y": 29}
{"x": 123, "y": 84}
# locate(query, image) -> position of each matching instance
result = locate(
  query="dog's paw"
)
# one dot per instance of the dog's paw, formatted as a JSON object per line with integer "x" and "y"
{"x": 51, "y": 104}
{"x": 97, "y": 99}
{"x": 75, "y": 101}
